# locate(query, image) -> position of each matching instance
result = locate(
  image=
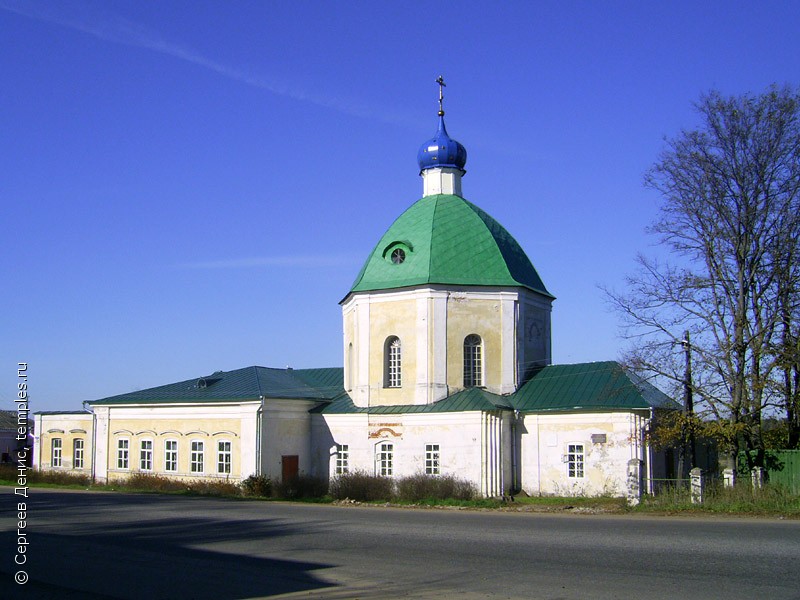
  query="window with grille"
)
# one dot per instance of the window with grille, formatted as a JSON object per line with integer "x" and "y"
{"x": 171, "y": 455}
{"x": 473, "y": 361}
{"x": 384, "y": 459}
{"x": 122, "y": 454}
{"x": 223, "y": 456}
{"x": 55, "y": 452}
{"x": 146, "y": 455}
{"x": 393, "y": 359}
{"x": 77, "y": 453}
{"x": 342, "y": 459}
{"x": 432, "y": 459}
{"x": 196, "y": 462}
{"x": 575, "y": 460}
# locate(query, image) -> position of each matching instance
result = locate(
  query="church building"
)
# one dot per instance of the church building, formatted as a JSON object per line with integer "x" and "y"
{"x": 446, "y": 370}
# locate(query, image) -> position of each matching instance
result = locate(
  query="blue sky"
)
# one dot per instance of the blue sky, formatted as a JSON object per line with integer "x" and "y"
{"x": 193, "y": 186}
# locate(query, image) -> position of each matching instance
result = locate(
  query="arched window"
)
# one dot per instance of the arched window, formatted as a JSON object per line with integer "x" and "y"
{"x": 392, "y": 363}
{"x": 473, "y": 361}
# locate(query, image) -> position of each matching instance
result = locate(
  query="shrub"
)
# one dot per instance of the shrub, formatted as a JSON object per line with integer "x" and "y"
{"x": 434, "y": 487}
{"x": 58, "y": 477}
{"x": 361, "y": 486}
{"x": 214, "y": 487}
{"x": 151, "y": 483}
{"x": 257, "y": 485}
{"x": 302, "y": 486}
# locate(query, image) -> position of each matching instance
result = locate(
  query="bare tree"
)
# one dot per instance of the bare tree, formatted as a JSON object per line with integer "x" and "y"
{"x": 730, "y": 219}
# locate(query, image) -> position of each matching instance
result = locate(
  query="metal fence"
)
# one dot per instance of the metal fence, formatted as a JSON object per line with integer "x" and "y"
{"x": 783, "y": 468}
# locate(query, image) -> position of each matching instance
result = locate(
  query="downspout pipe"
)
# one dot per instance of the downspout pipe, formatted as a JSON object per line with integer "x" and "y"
{"x": 514, "y": 482}
{"x": 94, "y": 440}
{"x": 259, "y": 414}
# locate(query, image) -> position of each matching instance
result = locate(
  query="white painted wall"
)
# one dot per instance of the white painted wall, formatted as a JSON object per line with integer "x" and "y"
{"x": 544, "y": 442}
{"x": 285, "y": 431}
{"x": 441, "y": 180}
{"x": 473, "y": 445}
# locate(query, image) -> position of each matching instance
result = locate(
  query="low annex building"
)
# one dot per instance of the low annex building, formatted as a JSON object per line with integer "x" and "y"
{"x": 447, "y": 370}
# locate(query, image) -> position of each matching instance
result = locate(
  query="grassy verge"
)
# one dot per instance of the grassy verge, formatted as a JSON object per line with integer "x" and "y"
{"x": 742, "y": 499}
{"x": 428, "y": 491}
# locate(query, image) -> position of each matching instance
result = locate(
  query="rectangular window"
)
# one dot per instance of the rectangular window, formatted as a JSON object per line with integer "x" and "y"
{"x": 384, "y": 460}
{"x": 342, "y": 459}
{"x": 575, "y": 459}
{"x": 146, "y": 456}
{"x": 196, "y": 464}
{"x": 432, "y": 459}
{"x": 55, "y": 452}
{"x": 77, "y": 453}
{"x": 171, "y": 455}
{"x": 224, "y": 457}
{"x": 122, "y": 454}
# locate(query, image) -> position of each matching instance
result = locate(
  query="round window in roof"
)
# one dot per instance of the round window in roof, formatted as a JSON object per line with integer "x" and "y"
{"x": 398, "y": 256}
{"x": 397, "y": 252}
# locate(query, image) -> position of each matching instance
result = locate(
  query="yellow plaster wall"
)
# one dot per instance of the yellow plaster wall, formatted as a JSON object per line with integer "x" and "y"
{"x": 73, "y": 428}
{"x": 184, "y": 430}
{"x": 350, "y": 363}
{"x": 396, "y": 318}
{"x": 481, "y": 317}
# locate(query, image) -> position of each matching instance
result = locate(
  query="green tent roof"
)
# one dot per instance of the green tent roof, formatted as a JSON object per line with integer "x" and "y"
{"x": 447, "y": 240}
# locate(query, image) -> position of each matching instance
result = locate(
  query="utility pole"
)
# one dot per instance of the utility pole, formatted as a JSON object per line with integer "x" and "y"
{"x": 688, "y": 451}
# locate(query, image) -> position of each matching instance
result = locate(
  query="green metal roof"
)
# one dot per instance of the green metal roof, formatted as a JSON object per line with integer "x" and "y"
{"x": 579, "y": 387}
{"x": 240, "y": 384}
{"x": 8, "y": 419}
{"x": 588, "y": 386}
{"x": 473, "y": 399}
{"x": 447, "y": 240}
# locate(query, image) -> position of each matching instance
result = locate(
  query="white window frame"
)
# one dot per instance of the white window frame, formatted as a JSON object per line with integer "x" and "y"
{"x": 342, "y": 459}
{"x": 123, "y": 453}
{"x": 78, "y": 446}
{"x": 384, "y": 459}
{"x": 576, "y": 460}
{"x": 197, "y": 456}
{"x": 146, "y": 455}
{"x": 56, "y": 449}
{"x": 433, "y": 463}
{"x": 393, "y": 359}
{"x": 171, "y": 456}
{"x": 224, "y": 457}
{"x": 473, "y": 361}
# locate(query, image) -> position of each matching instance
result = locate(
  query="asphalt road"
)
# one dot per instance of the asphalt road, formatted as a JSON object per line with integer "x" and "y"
{"x": 92, "y": 545}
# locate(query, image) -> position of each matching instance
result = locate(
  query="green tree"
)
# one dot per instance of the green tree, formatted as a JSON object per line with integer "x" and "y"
{"x": 730, "y": 219}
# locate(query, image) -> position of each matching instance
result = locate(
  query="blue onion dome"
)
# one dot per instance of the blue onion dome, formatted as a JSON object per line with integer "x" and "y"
{"x": 441, "y": 151}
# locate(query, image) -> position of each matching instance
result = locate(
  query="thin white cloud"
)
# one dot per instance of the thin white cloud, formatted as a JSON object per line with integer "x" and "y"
{"x": 272, "y": 261}
{"x": 119, "y": 30}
